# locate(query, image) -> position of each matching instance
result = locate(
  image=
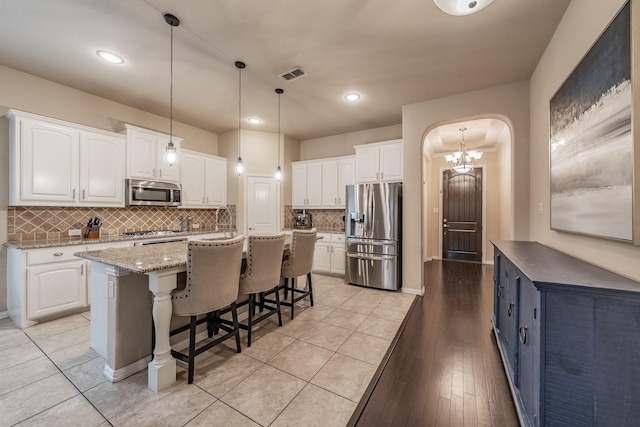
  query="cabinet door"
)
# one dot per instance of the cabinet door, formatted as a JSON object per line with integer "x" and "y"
{"x": 338, "y": 258}
{"x": 54, "y": 288}
{"x": 346, "y": 176}
{"x": 507, "y": 315}
{"x": 391, "y": 163}
{"x": 193, "y": 180}
{"x": 215, "y": 182}
{"x": 368, "y": 164}
{"x": 141, "y": 155}
{"x": 299, "y": 186}
{"x": 167, "y": 172}
{"x": 102, "y": 160}
{"x": 314, "y": 184}
{"x": 529, "y": 349}
{"x": 322, "y": 258}
{"x": 330, "y": 184}
{"x": 49, "y": 163}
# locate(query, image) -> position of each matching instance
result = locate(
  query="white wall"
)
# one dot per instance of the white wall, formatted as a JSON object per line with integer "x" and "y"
{"x": 581, "y": 25}
{"x": 509, "y": 102}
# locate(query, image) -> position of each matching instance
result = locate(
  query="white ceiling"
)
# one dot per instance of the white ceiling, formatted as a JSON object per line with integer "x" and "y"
{"x": 392, "y": 52}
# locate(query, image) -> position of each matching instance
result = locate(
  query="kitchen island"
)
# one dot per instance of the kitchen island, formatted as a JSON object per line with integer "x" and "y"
{"x": 122, "y": 310}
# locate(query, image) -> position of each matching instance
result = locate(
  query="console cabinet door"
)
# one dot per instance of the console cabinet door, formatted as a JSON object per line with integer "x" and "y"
{"x": 507, "y": 314}
{"x": 529, "y": 349}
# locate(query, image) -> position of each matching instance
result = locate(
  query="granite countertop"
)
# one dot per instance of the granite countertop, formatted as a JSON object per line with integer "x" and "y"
{"x": 50, "y": 243}
{"x": 141, "y": 259}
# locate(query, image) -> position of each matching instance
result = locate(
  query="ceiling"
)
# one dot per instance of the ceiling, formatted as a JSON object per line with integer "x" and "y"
{"x": 393, "y": 53}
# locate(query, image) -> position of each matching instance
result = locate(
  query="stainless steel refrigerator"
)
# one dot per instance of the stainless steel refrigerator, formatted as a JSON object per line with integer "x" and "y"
{"x": 373, "y": 226}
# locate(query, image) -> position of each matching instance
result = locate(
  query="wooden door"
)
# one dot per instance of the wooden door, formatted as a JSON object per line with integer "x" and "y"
{"x": 462, "y": 215}
{"x": 263, "y": 201}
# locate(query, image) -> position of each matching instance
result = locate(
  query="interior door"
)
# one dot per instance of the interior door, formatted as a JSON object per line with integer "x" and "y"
{"x": 263, "y": 199}
{"x": 462, "y": 215}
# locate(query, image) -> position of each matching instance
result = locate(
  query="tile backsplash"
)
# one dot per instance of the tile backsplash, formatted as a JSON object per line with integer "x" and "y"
{"x": 37, "y": 223}
{"x": 321, "y": 219}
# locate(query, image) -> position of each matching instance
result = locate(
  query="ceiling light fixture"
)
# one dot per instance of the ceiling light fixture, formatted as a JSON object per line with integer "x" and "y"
{"x": 254, "y": 120}
{"x": 239, "y": 164}
{"x": 171, "y": 155}
{"x": 462, "y": 160}
{"x": 279, "y": 169}
{"x": 462, "y": 7}
{"x": 352, "y": 97}
{"x": 110, "y": 57}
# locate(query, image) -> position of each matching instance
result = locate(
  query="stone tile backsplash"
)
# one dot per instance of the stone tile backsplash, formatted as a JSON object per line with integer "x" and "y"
{"x": 322, "y": 219}
{"x": 39, "y": 223}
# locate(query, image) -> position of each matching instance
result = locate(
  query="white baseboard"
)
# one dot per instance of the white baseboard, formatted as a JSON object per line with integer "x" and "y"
{"x": 119, "y": 374}
{"x": 4, "y": 314}
{"x": 419, "y": 292}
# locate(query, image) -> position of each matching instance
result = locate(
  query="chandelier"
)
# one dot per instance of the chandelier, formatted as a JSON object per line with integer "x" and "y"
{"x": 462, "y": 160}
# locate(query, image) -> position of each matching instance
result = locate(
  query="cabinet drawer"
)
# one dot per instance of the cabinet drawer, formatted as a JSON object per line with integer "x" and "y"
{"x": 57, "y": 254}
{"x": 338, "y": 238}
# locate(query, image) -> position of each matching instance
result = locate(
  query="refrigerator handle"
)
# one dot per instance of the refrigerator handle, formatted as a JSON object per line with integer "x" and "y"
{"x": 371, "y": 257}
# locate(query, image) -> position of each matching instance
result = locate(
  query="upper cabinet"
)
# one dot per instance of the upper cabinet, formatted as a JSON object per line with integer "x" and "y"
{"x": 320, "y": 184}
{"x": 57, "y": 163}
{"x": 146, "y": 154}
{"x": 337, "y": 174}
{"x": 204, "y": 180}
{"x": 379, "y": 162}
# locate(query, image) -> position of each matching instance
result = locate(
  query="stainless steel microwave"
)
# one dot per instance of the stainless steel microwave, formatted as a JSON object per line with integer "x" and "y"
{"x": 152, "y": 193}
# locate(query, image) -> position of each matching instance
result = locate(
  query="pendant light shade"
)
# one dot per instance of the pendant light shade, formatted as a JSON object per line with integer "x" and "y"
{"x": 279, "y": 169}
{"x": 171, "y": 155}
{"x": 239, "y": 163}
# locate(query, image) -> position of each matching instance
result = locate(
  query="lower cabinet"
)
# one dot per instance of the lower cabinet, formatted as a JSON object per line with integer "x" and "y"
{"x": 567, "y": 334}
{"x": 54, "y": 288}
{"x": 330, "y": 253}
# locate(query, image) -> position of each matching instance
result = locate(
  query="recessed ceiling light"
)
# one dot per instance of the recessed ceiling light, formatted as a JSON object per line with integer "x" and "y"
{"x": 462, "y": 7}
{"x": 352, "y": 96}
{"x": 110, "y": 57}
{"x": 254, "y": 120}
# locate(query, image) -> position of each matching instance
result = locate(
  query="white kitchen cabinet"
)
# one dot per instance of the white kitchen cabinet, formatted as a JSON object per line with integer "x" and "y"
{"x": 306, "y": 185}
{"x": 204, "y": 180}
{"x": 55, "y": 288}
{"x": 146, "y": 151}
{"x": 330, "y": 253}
{"x": 56, "y": 163}
{"x": 379, "y": 162}
{"x": 336, "y": 174}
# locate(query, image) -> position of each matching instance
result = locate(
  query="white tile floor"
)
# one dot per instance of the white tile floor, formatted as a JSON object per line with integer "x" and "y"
{"x": 310, "y": 372}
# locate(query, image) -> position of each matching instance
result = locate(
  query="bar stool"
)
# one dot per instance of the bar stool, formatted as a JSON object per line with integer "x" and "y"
{"x": 213, "y": 272}
{"x": 261, "y": 278}
{"x": 299, "y": 263}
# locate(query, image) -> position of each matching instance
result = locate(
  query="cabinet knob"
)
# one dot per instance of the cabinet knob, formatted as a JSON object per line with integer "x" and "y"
{"x": 523, "y": 334}
{"x": 83, "y": 194}
{"x": 153, "y": 171}
{"x": 73, "y": 196}
{"x": 160, "y": 172}
{"x": 381, "y": 175}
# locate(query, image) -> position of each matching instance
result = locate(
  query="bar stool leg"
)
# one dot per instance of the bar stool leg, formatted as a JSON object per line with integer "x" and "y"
{"x": 192, "y": 349}
{"x": 234, "y": 315}
{"x": 310, "y": 288}
{"x": 250, "y": 318}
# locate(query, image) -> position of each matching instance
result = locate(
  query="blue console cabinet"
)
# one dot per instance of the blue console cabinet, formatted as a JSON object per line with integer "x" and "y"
{"x": 569, "y": 337}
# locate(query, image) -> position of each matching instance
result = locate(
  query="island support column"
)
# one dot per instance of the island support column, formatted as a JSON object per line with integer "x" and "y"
{"x": 162, "y": 369}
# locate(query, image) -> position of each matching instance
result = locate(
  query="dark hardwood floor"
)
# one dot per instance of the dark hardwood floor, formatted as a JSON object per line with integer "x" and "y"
{"x": 445, "y": 369}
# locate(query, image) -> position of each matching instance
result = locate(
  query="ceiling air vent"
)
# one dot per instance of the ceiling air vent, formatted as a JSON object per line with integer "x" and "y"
{"x": 293, "y": 74}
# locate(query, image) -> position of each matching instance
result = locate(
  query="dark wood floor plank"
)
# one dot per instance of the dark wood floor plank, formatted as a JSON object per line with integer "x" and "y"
{"x": 446, "y": 368}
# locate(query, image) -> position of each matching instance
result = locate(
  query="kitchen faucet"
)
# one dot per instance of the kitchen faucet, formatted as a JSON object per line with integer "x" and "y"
{"x": 228, "y": 224}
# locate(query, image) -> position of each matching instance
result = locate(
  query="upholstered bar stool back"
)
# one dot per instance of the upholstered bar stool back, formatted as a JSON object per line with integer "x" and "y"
{"x": 213, "y": 273}
{"x": 299, "y": 263}
{"x": 262, "y": 276}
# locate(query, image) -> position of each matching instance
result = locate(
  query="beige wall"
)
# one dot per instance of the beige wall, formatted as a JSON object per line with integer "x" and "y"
{"x": 342, "y": 145}
{"x": 508, "y": 102}
{"x": 581, "y": 25}
{"x": 506, "y": 188}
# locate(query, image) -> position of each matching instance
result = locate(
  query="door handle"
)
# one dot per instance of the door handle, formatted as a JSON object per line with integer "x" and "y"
{"x": 523, "y": 334}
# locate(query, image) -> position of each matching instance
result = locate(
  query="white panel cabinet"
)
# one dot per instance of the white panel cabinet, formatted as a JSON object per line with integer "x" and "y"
{"x": 204, "y": 180}
{"x": 306, "y": 185}
{"x": 379, "y": 162}
{"x": 56, "y": 163}
{"x": 146, "y": 151}
{"x": 330, "y": 253}
{"x": 336, "y": 174}
{"x": 54, "y": 288}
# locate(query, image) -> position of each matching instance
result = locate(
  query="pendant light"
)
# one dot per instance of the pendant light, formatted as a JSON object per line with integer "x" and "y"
{"x": 279, "y": 169}
{"x": 171, "y": 155}
{"x": 462, "y": 160}
{"x": 239, "y": 164}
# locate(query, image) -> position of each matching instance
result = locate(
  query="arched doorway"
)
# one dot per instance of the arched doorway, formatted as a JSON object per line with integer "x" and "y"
{"x": 492, "y": 186}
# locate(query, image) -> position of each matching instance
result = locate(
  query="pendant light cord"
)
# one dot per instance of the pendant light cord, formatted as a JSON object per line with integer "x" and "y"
{"x": 279, "y": 94}
{"x": 171, "y": 90}
{"x": 239, "y": 107}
